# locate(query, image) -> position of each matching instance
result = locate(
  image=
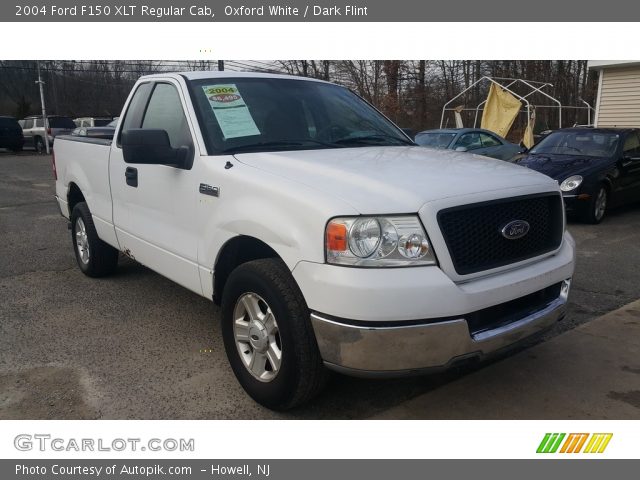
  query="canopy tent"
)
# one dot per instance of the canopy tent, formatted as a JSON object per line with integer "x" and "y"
{"x": 521, "y": 89}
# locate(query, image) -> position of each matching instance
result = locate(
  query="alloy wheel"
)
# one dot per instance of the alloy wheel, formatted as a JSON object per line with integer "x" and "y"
{"x": 257, "y": 337}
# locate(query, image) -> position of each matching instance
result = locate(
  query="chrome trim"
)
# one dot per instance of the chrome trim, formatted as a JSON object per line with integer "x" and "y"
{"x": 389, "y": 351}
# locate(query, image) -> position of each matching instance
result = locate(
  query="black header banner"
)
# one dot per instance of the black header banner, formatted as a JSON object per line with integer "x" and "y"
{"x": 319, "y": 11}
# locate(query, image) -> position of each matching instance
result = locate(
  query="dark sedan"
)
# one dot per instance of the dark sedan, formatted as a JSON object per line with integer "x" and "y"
{"x": 473, "y": 140}
{"x": 596, "y": 168}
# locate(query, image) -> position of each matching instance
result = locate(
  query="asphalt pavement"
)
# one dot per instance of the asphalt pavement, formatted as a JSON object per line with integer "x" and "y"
{"x": 137, "y": 346}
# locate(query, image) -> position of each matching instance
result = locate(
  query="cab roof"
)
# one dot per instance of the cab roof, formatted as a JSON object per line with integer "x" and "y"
{"x": 198, "y": 75}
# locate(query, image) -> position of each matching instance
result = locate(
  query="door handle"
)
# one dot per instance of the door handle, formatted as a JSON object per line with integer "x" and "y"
{"x": 131, "y": 175}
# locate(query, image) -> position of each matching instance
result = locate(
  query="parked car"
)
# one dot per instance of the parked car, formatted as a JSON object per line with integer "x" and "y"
{"x": 596, "y": 168}
{"x": 94, "y": 132}
{"x": 11, "y": 136}
{"x": 92, "y": 121}
{"x": 35, "y": 132}
{"x": 106, "y": 131}
{"x": 330, "y": 239}
{"x": 474, "y": 140}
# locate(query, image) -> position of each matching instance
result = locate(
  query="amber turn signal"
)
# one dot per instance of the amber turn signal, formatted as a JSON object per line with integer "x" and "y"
{"x": 336, "y": 237}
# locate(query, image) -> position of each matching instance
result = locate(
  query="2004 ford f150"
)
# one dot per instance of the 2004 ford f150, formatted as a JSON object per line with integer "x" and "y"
{"x": 329, "y": 238}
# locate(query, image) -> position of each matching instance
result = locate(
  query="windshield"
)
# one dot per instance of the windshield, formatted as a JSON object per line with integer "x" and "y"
{"x": 434, "y": 140}
{"x": 266, "y": 114}
{"x": 101, "y": 122}
{"x": 585, "y": 143}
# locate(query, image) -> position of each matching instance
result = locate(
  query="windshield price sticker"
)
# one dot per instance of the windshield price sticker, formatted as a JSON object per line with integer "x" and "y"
{"x": 232, "y": 113}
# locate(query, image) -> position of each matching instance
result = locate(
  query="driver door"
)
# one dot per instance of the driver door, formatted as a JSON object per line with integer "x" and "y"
{"x": 154, "y": 205}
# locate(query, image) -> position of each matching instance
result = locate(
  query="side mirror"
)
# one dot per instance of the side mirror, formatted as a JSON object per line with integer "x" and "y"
{"x": 461, "y": 149}
{"x": 152, "y": 147}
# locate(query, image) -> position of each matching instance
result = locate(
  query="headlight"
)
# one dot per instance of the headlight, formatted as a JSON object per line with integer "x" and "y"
{"x": 396, "y": 241}
{"x": 571, "y": 183}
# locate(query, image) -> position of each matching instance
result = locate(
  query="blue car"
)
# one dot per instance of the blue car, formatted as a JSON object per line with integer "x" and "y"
{"x": 596, "y": 168}
{"x": 474, "y": 140}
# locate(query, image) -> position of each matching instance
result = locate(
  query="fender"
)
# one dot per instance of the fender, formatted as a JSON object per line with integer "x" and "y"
{"x": 287, "y": 217}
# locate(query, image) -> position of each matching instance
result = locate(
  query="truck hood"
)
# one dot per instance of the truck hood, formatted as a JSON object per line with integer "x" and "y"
{"x": 376, "y": 180}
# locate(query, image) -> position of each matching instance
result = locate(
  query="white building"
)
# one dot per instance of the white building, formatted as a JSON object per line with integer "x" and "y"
{"x": 618, "y": 101}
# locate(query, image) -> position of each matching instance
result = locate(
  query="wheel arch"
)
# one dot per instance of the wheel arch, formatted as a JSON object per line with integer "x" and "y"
{"x": 236, "y": 251}
{"x": 74, "y": 196}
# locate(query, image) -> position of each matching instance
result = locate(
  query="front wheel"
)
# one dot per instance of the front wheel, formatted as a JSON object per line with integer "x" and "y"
{"x": 597, "y": 206}
{"x": 95, "y": 257}
{"x": 268, "y": 336}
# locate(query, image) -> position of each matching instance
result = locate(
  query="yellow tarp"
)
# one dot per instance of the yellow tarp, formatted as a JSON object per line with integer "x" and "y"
{"x": 500, "y": 111}
{"x": 527, "y": 140}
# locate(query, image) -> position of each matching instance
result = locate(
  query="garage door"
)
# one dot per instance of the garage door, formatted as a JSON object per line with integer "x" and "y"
{"x": 620, "y": 98}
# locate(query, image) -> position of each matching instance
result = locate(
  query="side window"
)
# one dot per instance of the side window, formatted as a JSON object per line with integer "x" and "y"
{"x": 38, "y": 122}
{"x": 631, "y": 145}
{"x": 165, "y": 112}
{"x": 489, "y": 140}
{"x": 135, "y": 109}
{"x": 28, "y": 123}
{"x": 470, "y": 141}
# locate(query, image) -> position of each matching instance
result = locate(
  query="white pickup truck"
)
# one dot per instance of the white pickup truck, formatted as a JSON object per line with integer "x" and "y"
{"x": 330, "y": 239}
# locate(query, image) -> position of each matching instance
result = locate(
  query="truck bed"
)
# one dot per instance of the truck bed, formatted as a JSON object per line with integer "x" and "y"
{"x": 83, "y": 163}
{"x": 94, "y": 140}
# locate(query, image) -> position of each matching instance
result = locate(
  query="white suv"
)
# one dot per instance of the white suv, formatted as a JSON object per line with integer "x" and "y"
{"x": 35, "y": 132}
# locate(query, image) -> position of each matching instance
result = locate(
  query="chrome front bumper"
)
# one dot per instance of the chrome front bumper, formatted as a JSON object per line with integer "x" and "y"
{"x": 370, "y": 350}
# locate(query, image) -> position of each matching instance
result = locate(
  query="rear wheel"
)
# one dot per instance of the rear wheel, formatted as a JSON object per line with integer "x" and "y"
{"x": 597, "y": 206}
{"x": 268, "y": 336}
{"x": 39, "y": 145}
{"x": 95, "y": 258}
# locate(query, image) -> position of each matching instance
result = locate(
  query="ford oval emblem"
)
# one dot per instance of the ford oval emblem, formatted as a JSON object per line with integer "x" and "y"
{"x": 515, "y": 229}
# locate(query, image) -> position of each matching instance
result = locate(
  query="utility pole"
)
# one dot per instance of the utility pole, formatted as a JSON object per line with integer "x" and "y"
{"x": 220, "y": 65}
{"x": 44, "y": 111}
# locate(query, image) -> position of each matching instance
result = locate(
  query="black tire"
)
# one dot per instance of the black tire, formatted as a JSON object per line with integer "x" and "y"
{"x": 102, "y": 259}
{"x": 301, "y": 374}
{"x": 39, "y": 145}
{"x": 595, "y": 212}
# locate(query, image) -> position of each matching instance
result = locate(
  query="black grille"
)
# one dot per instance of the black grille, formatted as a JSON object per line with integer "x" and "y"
{"x": 473, "y": 233}
{"x": 509, "y": 312}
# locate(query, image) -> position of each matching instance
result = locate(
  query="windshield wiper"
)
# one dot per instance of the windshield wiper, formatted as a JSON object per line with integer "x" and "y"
{"x": 275, "y": 145}
{"x": 373, "y": 139}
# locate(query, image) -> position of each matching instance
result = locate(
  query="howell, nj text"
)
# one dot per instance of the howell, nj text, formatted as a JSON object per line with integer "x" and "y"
{"x": 242, "y": 470}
